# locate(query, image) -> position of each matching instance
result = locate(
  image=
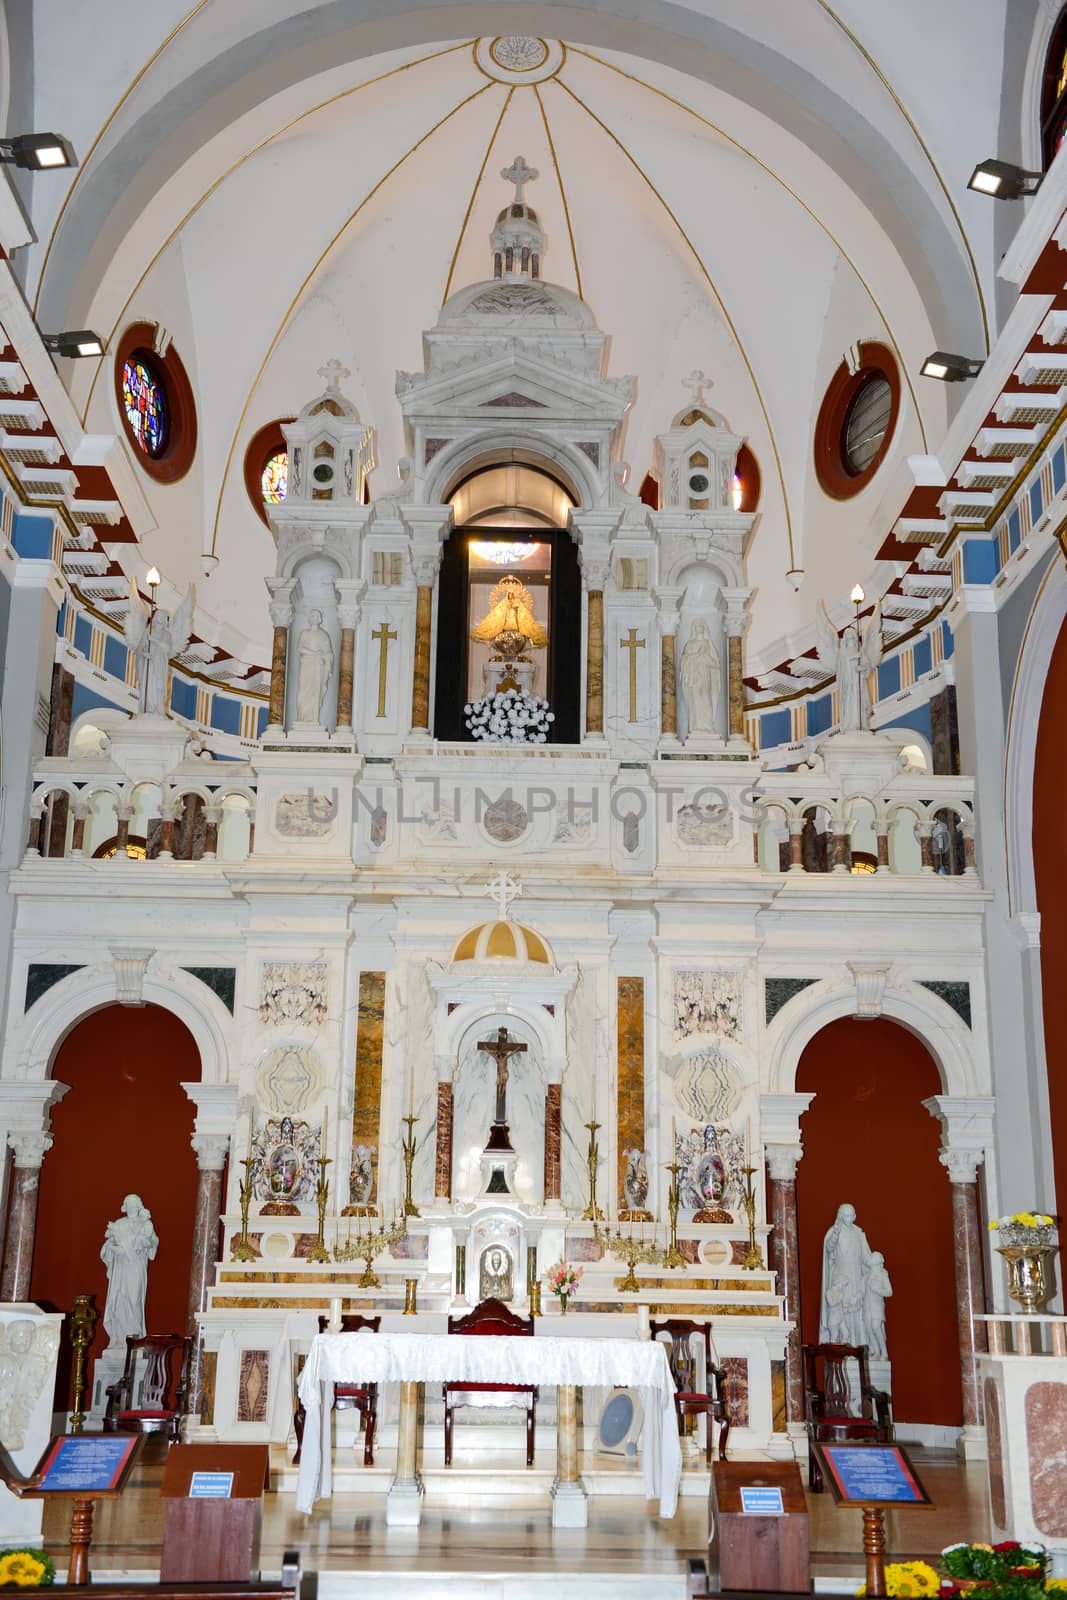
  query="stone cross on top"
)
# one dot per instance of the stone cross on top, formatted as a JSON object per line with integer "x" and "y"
{"x": 520, "y": 175}
{"x": 334, "y": 373}
{"x": 503, "y": 889}
{"x": 697, "y": 383}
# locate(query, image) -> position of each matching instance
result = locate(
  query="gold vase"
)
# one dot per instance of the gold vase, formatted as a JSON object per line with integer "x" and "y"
{"x": 1026, "y": 1275}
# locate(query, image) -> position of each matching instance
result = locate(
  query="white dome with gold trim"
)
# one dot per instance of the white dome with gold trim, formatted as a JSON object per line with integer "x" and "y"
{"x": 503, "y": 940}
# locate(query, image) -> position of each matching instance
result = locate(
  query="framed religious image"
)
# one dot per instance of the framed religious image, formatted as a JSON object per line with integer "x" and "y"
{"x": 87, "y": 1464}
{"x": 870, "y": 1475}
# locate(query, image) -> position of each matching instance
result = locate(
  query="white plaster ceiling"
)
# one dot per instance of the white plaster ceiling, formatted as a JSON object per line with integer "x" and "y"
{"x": 746, "y": 188}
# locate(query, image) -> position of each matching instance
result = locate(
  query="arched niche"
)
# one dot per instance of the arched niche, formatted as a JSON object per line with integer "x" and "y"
{"x": 869, "y": 1140}
{"x": 702, "y": 583}
{"x": 315, "y": 592}
{"x": 474, "y": 1100}
{"x": 123, "y": 1128}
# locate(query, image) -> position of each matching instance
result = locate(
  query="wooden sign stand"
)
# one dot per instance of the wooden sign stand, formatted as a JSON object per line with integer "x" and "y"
{"x": 872, "y": 1478}
{"x": 212, "y": 1496}
{"x": 85, "y": 1468}
{"x": 758, "y": 1527}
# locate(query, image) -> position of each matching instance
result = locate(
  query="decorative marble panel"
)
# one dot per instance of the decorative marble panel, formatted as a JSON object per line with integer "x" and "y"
{"x": 707, "y": 1085}
{"x": 209, "y": 1361}
{"x": 995, "y": 1447}
{"x": 736, "y": 1388}
{"x": 704, "y": 827}
{"x": 222, "y": 981}
{"x": 305, "y": 816}
{"x": 293, "y": 991}
{"x": 777, "y": 992}
{"x": 1046, "y": 1429}
{"x": 27, "y": 1362}
{"x": 367, "y": 1107}
{"x": 253, "y": 1385}
{"x": 584, "y": 1250}
{"x": 288, "y": 1079}
{"x": 780, "y": 1419}
{"x": 707, "y": 1002}
{"x": 630, "y": 1041}
{"x": 412, "y": 1247}
{"x": 41, "y": 976}
{"x": 711, "y": 1159}
{"x": 956, "y": 995}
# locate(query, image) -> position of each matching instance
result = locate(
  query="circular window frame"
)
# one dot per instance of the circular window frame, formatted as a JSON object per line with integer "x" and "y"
{"x": 176, "y": 457}
{"x": 836, "y": 478}
{"x": 262, "y": 445}
{"x": 746, "y": 467}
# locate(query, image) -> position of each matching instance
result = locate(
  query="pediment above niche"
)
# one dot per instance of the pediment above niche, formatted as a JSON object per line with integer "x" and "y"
{"x": 513, "y": 398}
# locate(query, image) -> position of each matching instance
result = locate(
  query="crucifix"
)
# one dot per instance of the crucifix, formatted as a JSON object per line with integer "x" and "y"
{"x": 383, "y": 636}
{"x": 697, "y": 382}
{"x": 633, "y": 644}
{"x": 520, "y": 175}
{"x": 334, "y": 373}
{"x": 503, "y": 889}
{"x": 501, "y": 1049}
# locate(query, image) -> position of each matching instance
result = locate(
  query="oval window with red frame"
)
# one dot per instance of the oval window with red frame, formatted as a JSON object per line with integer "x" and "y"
{"x": 857, "y": 421}
{"x": 155, "y": 404}
{"x": 267, "y": 466}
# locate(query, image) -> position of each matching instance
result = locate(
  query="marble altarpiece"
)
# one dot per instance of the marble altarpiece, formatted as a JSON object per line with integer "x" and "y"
{"x": 602, "y": 898}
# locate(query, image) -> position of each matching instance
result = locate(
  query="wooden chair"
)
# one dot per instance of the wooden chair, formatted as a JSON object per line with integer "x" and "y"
{"x": 361, "y": 1397}
{"x": 148, "y": 1397}
{"x": 492, "y": 1319}
{"x": 686, "y": 1338}
{"x": 831, "y": 1414}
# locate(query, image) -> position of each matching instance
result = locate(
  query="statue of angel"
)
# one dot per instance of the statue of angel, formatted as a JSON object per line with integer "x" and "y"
{"x": 155, "y": 637}
{"x": 851, "y": 656}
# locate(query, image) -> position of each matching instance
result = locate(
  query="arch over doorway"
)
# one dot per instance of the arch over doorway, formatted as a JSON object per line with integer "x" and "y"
{"x": 869, "y": 1140}
{"x": 123, "y": 1128}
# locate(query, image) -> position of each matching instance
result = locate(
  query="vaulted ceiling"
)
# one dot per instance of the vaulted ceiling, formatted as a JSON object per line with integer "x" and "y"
{"x": 745, "y": 188}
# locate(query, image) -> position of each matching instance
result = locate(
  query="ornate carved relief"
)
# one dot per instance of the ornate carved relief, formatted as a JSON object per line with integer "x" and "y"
{"x": 293, "y": 991}
{"x": 707, "y": 1002}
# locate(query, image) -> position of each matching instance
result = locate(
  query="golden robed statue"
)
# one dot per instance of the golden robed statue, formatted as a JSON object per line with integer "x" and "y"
{"x": 510, "y": 626}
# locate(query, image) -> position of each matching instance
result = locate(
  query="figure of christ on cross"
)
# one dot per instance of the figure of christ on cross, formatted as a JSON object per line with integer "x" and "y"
{"x": 501, "y": 1049}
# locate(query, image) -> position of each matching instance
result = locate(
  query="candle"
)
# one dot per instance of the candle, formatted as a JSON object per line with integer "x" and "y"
{"x": 748, "y": 1142}
{"x": 411, "y": 1089}
{"x": 251, "y": 1118}
{"x": 325, "y": 1125}
{"x": 674, "y": 1140}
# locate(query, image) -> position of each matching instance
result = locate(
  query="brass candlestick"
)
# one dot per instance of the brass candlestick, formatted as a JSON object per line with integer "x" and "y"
{"x": 365, "y": 1246}
{"x": 408, "y": 1148}
{"x": 674, "y": 1257}
{"x": 82, "y": 1317}
{"x": 753, "y": 1261}
{"x": 242, "y": 1250}
{"x": 318, "y": 1251}
{"x": 592, "y": 1212}
{"x": 632, "y": 1249}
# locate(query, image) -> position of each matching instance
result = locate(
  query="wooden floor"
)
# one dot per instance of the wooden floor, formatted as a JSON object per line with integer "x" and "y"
{"x": 349, "y": 1534}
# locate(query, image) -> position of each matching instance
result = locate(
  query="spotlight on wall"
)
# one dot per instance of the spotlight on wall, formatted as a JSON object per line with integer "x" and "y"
{"x": 1003, "y": 180}
{"x": 38, "y": 151}
{"x": 84, "y": 342}
{"x": 950, "y": 368}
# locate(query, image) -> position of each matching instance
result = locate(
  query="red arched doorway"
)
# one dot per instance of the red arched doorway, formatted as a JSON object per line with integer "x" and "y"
{"x": 1050, "y": 779}
{"x": 123, "y": 1128}
{"x": 868, "y": 1140}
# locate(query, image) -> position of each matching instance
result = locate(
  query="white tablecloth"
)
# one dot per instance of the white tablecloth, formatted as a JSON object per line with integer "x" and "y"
{"x": 366, "y": 1357}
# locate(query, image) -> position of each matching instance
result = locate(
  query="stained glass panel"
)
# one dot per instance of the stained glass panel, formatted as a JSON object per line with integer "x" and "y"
{"x": 275, "y": 479}
{"x": 146, "y": 405}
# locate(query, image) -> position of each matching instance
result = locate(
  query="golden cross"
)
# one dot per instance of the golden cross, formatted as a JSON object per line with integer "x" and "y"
{"x": 383, "y": 636}
{"x": 633, "y": 644}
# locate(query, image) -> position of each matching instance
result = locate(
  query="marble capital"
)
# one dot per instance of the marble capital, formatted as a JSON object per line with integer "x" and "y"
{"x": 281, "y": 614}
{"x": 782, "y": 1161}
{"x": 211, "y": 1150}
{"x": 961, "y": 1165}
{"x": 29, "y": 1149}
{"x": 735, "y": 604}
{"x": 668, "y": 600}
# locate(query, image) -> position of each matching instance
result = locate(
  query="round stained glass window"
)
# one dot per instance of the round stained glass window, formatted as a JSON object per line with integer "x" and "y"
{"x": 866, "y": 423}
{"x": 275, "y": 478}
{"x": 145, "y": 402}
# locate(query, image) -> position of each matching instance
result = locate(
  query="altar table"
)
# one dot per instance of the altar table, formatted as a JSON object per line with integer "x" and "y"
{"x": 411, "y": 1358}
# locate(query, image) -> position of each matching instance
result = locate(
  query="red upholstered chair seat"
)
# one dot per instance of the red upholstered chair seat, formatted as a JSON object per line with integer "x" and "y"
{"x": 124, "y": 1414}
{"x": 493, "y": 1388}
{"x": 154, "y": 1375}
{"x": 687, "y": 1340}
{"x": 361, "y": 1397}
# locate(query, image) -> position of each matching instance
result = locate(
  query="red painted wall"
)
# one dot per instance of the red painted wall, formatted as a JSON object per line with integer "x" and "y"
{"x": 1050, "y": 787}
{"x": 123, "y": 1128}
{"x": 869, "y": 1141}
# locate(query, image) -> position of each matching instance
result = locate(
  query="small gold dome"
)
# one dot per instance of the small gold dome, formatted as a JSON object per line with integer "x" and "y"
{"x": 502, "y": 941}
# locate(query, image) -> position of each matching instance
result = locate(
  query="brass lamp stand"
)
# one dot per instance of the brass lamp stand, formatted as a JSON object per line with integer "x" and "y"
{"x": 592, "y": 1212}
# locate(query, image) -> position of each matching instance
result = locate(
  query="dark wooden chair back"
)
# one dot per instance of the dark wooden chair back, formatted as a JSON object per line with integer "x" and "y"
{"x": 827, "y": 1391}
{"x": 148, "y": 1397}
{"x": 351, "y": 1322}
{"x": 361, "y": 1397}
{"x": 492, "y": 1317}
{"x": 685, "y": 1337}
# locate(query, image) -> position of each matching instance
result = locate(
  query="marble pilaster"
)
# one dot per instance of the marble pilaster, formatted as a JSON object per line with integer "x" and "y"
{"x": 594, "y": 666}
{"x": 553, "y": 1139}
{"x": 962, "y": 1171}
{"x": 442, "y": 1181}
{"x": 785, "y": 1259}
{"x": 349, "y": 594}
{"x": 367, "y": 1109}
{"x": 420, "y": 682}
{"x": 281, "y": 615}
{"x": 29, "y": 1152}
{"x": 211, "y": 1152}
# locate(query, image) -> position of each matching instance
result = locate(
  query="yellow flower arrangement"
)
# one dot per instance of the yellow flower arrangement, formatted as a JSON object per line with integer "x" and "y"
{"x": 910, "y": 1580}
{"x": 29, "y": 1569}
{"x": 1023, "y": 1219}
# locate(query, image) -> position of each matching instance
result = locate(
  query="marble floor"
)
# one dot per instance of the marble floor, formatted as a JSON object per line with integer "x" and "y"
{"x": 468, "y": 1545}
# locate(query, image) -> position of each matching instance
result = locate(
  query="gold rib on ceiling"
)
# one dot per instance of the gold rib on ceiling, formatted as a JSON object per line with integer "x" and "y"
{"x": 343, "y": 94}
{"x": 84, "y": 162}
{"x": 562, "y": 190}
{"x": 745, "y": 150}
{"x": 715, "y": 293}
{"x": 473, "y": 194}
{"x": 924, "y": 147}
{"x": 367, "y": 198}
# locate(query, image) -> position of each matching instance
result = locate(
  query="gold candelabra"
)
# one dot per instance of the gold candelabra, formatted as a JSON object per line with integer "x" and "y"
{"x": 674, "y": 1257}
{"x": 632, "y": 1249}
{"x": 82, "y": 1317}
{"x": 592, "y": 1212}
{"x": 753, "y": 1258}
{"x": 242, "y": 1250}
{"x": 369, "y": 1244}
{"x": 318, "y": 1251}
{"x": 408, "y": 1149}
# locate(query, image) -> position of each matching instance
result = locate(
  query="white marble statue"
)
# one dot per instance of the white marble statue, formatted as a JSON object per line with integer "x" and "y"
{"x": 845, "y": 1259}
{"x": 877, "y": 1292}
{"x": 155, "y": 637}
{"x": 130, "y": 1243}
{"x": 315, "y": 663}
{"x": 701, "y": 677}
{"x": 851, "y": 656}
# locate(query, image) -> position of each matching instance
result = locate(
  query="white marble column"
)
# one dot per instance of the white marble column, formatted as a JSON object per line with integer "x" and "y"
{"x": 570, "y": 1504}
{"x": 403, "y": 1506}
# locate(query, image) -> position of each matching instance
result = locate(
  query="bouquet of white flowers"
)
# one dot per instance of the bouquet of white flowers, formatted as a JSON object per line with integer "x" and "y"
{"x": 509, "y": 717}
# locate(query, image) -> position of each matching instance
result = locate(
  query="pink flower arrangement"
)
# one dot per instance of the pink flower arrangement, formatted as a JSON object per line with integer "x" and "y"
{"x": 563, "y": 1279}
